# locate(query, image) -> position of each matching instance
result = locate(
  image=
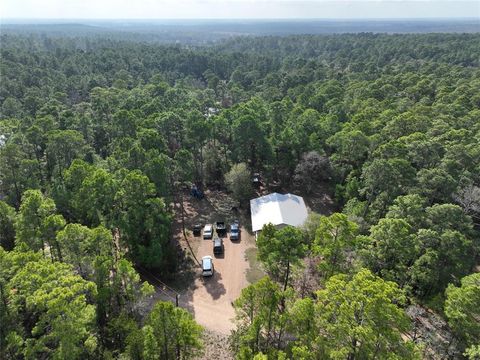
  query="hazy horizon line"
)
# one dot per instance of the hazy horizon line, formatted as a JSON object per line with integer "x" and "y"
{"x": 243, "y": 19}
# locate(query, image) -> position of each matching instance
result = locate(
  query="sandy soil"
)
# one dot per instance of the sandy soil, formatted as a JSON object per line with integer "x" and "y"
{"x": 210, "y": 299}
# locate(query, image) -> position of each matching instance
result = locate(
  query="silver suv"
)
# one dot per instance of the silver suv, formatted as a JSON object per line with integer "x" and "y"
{"x": 208, "y": 231}
{"x": 207, "y": 266}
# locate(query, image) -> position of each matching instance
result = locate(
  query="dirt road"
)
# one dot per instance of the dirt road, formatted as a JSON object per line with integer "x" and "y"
{"x": 210, "y": 299}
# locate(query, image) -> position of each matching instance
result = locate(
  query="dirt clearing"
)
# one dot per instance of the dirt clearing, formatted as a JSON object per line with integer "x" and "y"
{"x": 210, "y": 299}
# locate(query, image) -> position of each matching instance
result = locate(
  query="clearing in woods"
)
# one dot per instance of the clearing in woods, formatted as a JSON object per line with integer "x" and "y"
{"x": 210, "y": 300}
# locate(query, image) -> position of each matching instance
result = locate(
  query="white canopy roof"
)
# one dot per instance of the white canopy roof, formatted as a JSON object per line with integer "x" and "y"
{"x": 278, "y": 209}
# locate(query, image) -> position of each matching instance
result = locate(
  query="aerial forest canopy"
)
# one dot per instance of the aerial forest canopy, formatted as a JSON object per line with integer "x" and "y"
{"x": 99, "y": 137}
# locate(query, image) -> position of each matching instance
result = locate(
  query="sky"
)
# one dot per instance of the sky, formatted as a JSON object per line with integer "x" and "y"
{"x": 237, "y": 9}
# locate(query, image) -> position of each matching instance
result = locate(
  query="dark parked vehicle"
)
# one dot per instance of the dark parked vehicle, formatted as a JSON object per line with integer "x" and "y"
{"x": 197, "y": 230}
{"x": 235, "y": 231}
{"x": 256, "y": 180}
{"x": 196, "y": 192}
{"x": 221, "y": 228}
{"x": 217, "y": 246}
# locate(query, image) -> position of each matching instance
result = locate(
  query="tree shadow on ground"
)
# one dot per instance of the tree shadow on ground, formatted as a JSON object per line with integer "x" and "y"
{"x": 185, "y": 275}
{"x": 213, "y": 285}
{"x": 168, "y": 290}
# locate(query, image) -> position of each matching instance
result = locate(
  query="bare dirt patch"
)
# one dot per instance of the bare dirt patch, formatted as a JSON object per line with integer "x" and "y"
{"x": 210, "y": 299}
{"x": 216, "y": 347}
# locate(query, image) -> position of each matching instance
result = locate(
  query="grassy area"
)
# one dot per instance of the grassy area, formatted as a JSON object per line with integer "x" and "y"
{"x": 255, "y": 272}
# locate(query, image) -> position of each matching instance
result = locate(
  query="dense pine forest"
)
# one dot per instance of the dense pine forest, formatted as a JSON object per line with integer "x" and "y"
{"x": 100, "y": 138}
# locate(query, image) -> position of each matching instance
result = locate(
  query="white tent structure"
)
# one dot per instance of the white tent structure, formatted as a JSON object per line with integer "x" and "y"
{"x": 278, "y": 209}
